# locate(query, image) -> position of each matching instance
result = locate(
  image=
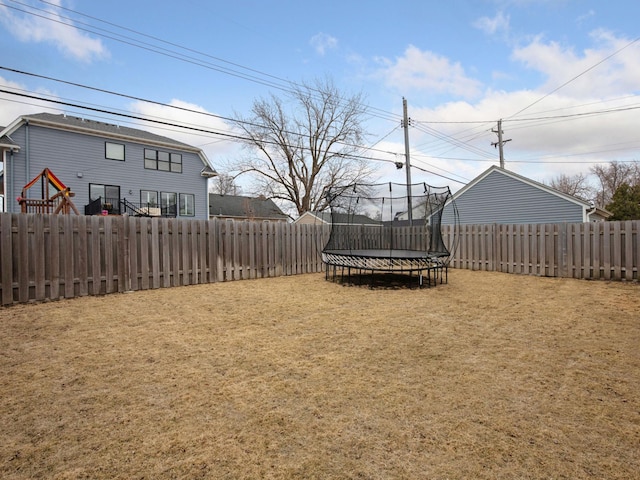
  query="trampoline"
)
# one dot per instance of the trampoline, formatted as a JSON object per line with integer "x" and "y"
{"x": 387, "y": 231}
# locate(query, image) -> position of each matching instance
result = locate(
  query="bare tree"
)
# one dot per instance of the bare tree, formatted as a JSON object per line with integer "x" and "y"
{"x": 612, "y": 176}
{"x": 302, "y": 147}
{"x": 224, "y": 184}
{"x": 577, "y": 185}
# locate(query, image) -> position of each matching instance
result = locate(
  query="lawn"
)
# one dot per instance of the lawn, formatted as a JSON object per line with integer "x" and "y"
{"x": 489, "y": 376}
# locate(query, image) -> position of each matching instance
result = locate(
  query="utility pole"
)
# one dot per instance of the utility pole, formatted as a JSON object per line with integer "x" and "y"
{"x": 500, "y": 142}
{"x": 405, "y": 124}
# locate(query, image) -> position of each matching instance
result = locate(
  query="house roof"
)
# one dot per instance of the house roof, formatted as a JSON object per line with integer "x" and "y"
{"x": 600, "y": 212}
{"x": 340, "y": 218}
{"x": 238, "y": 206}
{"x": 93, "y": 127}
{"x": 7, "y": 142}
{"x": 541, "y": 186}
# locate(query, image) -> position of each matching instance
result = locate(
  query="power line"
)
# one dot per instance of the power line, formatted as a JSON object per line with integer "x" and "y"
{"x": 203, "y": 131}
{"x": 270, "y": 80}
{"x": 191, "y": 128}
{"x": 455, "y": 141}
{"x": 123, "y": 95}
{"x": 576, "y": 77}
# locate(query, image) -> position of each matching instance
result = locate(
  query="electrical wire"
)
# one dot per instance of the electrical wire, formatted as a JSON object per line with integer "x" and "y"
{"x": 608, "y": 57}
{"x": 254, "y": 75}
{"x": 190, "y": 128}
{"x": 286, "y": 85}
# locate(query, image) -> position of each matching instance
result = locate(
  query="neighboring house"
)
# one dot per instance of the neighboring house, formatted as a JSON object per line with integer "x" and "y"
{"x": 108, "y": 167}
{"x": 500, "y": 196}
{"x": 6, "y": 145}
{"x": 242, "y": 208}
{"x": 324, "y": 218}
{"x": 2, "y": 191}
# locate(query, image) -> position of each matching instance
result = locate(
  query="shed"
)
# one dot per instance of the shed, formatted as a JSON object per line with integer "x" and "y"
{"x": 500, "y": 196}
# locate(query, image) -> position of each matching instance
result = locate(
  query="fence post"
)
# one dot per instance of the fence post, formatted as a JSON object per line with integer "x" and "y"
{"x": 6, "y": 257}
{"x": 562, "y": 251}
{"x": 126, "y": 253}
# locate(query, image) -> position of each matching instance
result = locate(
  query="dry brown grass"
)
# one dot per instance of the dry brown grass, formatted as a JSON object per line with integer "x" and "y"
{"x": 490, "y": 376}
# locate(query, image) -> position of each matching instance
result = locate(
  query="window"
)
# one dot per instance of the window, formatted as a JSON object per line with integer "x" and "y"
{"x": 168, "y": 201}
{"x": 163, "y": 161}
{"x": 150, "y": 159}
{"x": 108, "y": 193}
{"x": 114, "y": 151}
{"x": 187, "y": 204}
{"x": 149, "y": 198}
{"x": 109, "y": 196}
{"x": 176, "y": 163}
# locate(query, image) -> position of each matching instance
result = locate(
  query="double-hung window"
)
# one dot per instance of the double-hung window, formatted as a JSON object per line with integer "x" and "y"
{"x": 187, "y": 204}
{"x": 168, "y": 202}
{"x": 149, "y": 198}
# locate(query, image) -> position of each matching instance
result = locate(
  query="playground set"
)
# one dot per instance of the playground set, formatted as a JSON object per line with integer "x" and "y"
{"x": 49, "y": 202}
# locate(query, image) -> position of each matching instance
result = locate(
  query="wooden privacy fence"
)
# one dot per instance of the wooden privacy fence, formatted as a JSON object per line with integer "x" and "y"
{"x": 598, "y": 250}
{"x": 63, "y": 256}
{"x": 46, "y": 257}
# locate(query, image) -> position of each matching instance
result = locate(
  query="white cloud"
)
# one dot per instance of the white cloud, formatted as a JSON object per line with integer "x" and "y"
{"x": 566, "y": 145}
{"x": 55, "y": 30}
{"x": 217, "y": 148}
{"x": 429, "y": 72}
{"x": 558, "y": 131}
{"x": 491, "y": 26}
{"x": 611, "y": 68}
{"x": 13, "y": 106}
{"x": 323, "y": 42}
{"x": 585, "y": 17}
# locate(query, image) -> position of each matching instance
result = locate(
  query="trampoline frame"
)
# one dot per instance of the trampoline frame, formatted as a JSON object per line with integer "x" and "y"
{"x": 424, "y": 265}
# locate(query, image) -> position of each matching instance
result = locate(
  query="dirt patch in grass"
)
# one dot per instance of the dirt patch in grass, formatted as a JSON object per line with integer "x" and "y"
{"x": 489, "y": 376}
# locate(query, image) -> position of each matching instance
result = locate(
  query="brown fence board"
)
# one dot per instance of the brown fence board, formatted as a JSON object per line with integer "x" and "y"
{"x": 6, "y": 258}
{"x": 82, "y": 257}
{"x": 38, "y": 225}
{"x": 628, "y": 250}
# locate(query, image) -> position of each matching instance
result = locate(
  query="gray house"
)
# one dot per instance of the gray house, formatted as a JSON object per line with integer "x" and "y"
{"x": 238, "y": 207}
{"x": 109, "y": 168}
{"x": 500, "y": 196}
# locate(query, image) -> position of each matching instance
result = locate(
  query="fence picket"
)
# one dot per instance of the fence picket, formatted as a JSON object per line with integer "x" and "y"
{"x": 38, "y": 257}
{"x": 628, "y": 250}
{"x": 6, "y": 258}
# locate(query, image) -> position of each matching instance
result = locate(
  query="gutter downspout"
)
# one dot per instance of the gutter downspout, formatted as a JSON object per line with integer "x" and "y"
{"x": 10, "y": 183}
{"x": 27, "y": 154}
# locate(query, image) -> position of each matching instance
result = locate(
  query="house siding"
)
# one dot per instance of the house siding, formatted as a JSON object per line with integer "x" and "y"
{"x": 499, "y": 198}
{"x": 79, "y": 159}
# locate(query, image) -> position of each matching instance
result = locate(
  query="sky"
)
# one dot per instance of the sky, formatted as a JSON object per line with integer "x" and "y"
{"x": 562, "y": 75}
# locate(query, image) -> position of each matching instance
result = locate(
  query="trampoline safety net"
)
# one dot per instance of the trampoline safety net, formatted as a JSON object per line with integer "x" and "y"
{"x": 390, "y": 227}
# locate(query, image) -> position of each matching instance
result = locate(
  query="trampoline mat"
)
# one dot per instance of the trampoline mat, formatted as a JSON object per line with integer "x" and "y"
{"x": 383, "y": 260}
